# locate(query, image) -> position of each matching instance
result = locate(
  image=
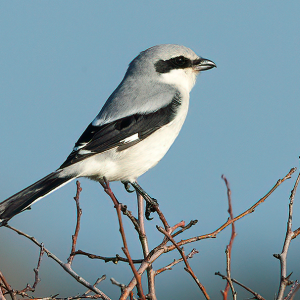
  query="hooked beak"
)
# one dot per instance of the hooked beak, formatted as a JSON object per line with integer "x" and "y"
{"x": 203, "y": 64}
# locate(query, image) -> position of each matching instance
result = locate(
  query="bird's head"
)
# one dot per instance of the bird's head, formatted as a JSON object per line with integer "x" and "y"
{"x": 172, "y": 64}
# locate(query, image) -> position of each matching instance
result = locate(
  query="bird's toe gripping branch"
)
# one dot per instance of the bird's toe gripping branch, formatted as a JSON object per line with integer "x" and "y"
{"x": 151, "y": 203}
{"x": 127, "y": 187}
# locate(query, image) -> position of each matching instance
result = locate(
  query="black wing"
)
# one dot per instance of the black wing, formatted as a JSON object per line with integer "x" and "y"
{"x": 121, "y": 133}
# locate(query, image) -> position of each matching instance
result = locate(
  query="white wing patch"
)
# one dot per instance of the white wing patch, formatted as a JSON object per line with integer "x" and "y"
{"x": 83, "y": 152}
{"x": 130, "y": 138}
{"x": 79, "y": 147}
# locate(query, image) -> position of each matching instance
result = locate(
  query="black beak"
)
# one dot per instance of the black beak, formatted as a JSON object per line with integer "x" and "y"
{"x": 204, "y": 64}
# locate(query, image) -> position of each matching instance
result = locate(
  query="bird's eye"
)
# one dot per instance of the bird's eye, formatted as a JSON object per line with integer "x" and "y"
{"x": 179, "y": 61}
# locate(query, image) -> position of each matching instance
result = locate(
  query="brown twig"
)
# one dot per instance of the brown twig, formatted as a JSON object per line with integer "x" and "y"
{"x": 175, "y": 262}
{"x": 83, "y": 296}
{"x": 162, "y": 218}
{"x": 66, "y": 298}
{"x": 100, "y": 279}
{"x": 145, "y": 246}
{"x": 114, "y": 259}
{"x": 66, "y": 267}
{"x": 77, "y": 228}
{"x": 1, "y": 294}
{"x": 188, "y": 268}
{"x": 152, "y": 256}
{"x": 284, "y": 279}
{"x": 229, "y": 246}
{"x": 36, "y": 271}
{"x": 122, "y": 287}
{"x": 36, "y": 276}
{"x": 230, "y": 221}
{"x": 296, "y": 233}
{"x": 184, "y": 228}
{"x": 8, "y": 287}
{"x": 128, "y": 213}
{"x": 256, "y": 295}
{"x": 294, "y": 289}
{"x": 117, "y": 205}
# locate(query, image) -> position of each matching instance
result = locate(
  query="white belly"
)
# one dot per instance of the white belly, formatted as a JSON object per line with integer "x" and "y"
{"x": 129, "y": 164}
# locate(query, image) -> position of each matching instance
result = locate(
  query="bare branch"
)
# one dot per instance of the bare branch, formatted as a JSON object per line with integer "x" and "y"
{"x": 77, "y": 228}
{"x": 188, "y": 268}
{"x": 117, "y": 205}
{"x": 175, "y": 262}
{"x": 188, "y": 226}
{"x": 114, "y": 259}
{"x": 296, "y": 233}
{"x": 145, "y": 246}
{"x": 294, "y": 289}
{"x": 122, "y": 287}
{"x": 100, "y": 279}
{"x": 230, "y": 221}
{"x": 1, "y": 295}
{"x": 284, "y": 279}
{"x": 8, "y": 287}
{"x": 256, "y": 295}
{"x": 66, "y": 267}
{"x": 36, "y": 276}
{"x": 229, "y": 246}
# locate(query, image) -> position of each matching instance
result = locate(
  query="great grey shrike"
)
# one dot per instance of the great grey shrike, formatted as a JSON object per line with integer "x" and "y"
{"x": 133, "y": 131}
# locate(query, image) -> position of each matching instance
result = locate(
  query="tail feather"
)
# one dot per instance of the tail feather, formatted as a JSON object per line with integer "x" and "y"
{"x": 23, "y": 199}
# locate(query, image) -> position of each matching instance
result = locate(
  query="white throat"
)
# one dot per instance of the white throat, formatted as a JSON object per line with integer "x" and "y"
{"x": 181, "y": 78}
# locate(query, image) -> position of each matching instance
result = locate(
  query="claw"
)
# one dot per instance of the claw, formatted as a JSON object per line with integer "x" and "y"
{"x": 127, "y": 187}
{"x": 151, "y": 203}
{"x": 150, "y": 208}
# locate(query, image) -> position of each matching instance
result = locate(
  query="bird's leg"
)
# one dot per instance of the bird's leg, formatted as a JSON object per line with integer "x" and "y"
{"x": 127, "y": 186}
{"x": 151, "y": 203}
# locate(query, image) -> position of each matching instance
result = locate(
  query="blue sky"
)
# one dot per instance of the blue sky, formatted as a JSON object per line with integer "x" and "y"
{"x": 59, "y": 62}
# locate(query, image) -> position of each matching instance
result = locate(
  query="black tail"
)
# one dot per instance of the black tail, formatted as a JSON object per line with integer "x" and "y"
{"x": 22, "y": 200}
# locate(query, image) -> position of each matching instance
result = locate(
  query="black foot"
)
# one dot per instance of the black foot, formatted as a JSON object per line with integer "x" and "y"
{"x": 127, "y": 186}
{"x": 150, "y": 208}
{"x": 151, "y": 203}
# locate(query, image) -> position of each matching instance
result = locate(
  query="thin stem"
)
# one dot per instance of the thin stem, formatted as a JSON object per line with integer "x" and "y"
{"x": 77, "y": 228}
{"x": 229, "y": 246}
{"x": 145, "y": 247}
{"x": 117, "y": 205}
{"x": 188, "y": 268}
{"x": 284, "y": 280}
{"x": 66, "y": 267}
{"x": 8, "y": 287}
{"x": 256, "y": 295}
{"x": 230, "y": 221}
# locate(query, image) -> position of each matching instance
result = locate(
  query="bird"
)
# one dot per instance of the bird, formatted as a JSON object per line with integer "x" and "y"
{"x": 134, "y": 129}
